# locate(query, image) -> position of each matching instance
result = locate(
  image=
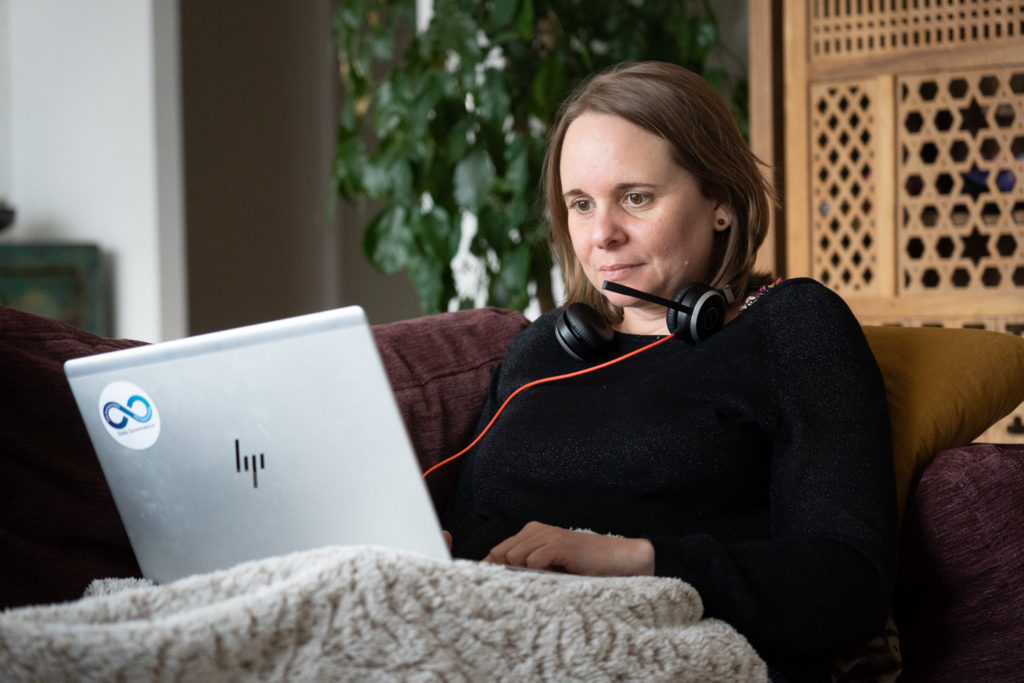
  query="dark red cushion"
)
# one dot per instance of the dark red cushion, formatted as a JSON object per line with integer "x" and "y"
{"x": 440, "y": 367}
{"x": 59, "y": 528}
{"x": 960, "y": 597}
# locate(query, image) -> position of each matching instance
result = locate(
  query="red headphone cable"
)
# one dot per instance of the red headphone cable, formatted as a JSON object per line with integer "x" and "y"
{"x": 535, "y": 382}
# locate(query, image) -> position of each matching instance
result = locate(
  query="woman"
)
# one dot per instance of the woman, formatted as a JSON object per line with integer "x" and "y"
{"x": 755, "y": 464}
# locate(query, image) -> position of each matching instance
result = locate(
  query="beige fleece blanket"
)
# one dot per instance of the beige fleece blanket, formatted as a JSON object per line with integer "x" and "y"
{"x": 372, "y": 614}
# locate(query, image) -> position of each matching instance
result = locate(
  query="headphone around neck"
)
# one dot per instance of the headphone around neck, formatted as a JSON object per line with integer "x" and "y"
{"x": 695, "y": 313}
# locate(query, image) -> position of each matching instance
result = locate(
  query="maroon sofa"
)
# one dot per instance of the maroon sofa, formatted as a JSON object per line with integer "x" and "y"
{"x": 960, "y": 599}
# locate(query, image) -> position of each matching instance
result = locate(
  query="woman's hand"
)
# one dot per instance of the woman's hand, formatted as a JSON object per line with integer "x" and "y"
{"x": 541, "y": 546}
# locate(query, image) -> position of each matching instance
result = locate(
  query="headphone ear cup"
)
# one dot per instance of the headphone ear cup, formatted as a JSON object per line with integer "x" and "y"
{"x": 706, "y": 313}
{"x": 583, "y": 333}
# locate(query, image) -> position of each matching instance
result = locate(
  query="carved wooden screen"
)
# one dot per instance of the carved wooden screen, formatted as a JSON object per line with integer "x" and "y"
{"x": 905, "y": 161}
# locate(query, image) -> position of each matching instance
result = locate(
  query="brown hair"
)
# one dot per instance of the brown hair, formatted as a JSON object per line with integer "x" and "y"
{"x": 684, "y": 110}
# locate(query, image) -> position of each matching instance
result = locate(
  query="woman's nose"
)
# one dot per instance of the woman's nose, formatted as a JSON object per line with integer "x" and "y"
{"x": 607, "y": 230}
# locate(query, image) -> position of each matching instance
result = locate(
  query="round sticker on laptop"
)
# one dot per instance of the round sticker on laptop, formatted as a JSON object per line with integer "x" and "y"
{"x": 129, "y": 415}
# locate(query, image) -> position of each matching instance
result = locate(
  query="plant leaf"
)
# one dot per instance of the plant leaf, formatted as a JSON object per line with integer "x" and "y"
{"x": 438, "y": 234}
{"x": 492, "y": 230}
{"x": 493, "y": 101}
{"x": 386, "y": 176}
{"x": 509, "y": 288}
{"x": 524, "y": 22}
{"x": 549, "y": 85}
{"x": 517, "y": 166}
{"x": 387, "y": 240}
{"x": 349, "y": 162}
{"x": 501, "y": 14}
{"x": 474, "y": 177}
{"x": 428, "y": 278}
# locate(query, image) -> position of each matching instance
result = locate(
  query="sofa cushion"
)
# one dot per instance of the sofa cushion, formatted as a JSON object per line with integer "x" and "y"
{"x": 440, "y": 367}
{"x": 59, "y": 528}
{"x": 959, "y": 598}
{"x": 945, "y": 387}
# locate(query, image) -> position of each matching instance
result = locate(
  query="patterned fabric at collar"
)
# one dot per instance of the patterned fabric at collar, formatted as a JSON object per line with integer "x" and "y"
{"x": 764, "y": 289}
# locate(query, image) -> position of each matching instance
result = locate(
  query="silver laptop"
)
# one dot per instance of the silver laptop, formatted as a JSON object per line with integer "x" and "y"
{"x": 253, "y": 442}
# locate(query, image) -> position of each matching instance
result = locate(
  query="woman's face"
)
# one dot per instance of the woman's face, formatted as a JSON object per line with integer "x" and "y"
{"x": 635, "y": 216}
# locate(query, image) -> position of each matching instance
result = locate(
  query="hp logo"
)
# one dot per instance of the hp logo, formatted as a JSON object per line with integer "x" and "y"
{"x": 248, "y": 462}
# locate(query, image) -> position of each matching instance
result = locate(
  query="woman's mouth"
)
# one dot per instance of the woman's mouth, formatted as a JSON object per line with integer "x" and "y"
{"x": 616, "y": 272}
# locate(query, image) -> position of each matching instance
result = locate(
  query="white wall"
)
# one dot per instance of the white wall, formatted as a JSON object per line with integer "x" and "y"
{"x": 91, "y": 110}
{"x": 5, "y": 104}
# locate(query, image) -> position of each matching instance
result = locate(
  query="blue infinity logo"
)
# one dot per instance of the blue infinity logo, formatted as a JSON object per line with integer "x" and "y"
{"x": 127, "y": 412}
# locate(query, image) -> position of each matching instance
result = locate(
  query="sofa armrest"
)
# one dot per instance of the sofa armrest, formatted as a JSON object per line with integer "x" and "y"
{"x": 960, "y": 596}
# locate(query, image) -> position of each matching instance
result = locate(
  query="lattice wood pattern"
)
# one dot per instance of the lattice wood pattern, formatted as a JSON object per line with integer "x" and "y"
{"x": 844, "y": 225}
{"x": 872, "y": 27}
{"x": 960, "y": 184}
{"x": 905, "y": 161}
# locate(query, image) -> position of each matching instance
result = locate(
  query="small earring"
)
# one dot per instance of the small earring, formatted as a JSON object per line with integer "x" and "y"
{"x": 721, "y": 221}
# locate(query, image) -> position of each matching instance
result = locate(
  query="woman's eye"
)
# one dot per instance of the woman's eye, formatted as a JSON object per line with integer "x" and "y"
{"x": 581, "y": 205}
{"x": 636, "y": 198}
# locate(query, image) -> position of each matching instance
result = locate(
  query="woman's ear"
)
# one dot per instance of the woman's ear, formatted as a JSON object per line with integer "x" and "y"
{"x": 723, "y": 217}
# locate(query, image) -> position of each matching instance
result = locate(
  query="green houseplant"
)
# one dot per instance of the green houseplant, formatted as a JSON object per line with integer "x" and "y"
{"x": 450, "y": 122}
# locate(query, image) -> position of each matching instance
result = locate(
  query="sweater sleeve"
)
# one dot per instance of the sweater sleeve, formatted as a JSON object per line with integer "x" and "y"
{"x": 825, "y": 574}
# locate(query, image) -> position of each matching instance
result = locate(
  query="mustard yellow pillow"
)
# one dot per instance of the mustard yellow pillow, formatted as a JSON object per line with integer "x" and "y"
{"x": 945, "y": 386}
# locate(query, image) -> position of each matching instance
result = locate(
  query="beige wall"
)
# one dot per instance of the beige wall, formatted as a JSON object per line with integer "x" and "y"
{"x": 259, "y": 102}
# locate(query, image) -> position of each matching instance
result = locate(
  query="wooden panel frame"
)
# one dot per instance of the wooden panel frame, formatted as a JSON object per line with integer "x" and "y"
{"x": 941, "y": 36}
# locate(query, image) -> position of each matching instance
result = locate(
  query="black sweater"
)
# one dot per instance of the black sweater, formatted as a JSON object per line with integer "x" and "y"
{"x": 758, "y": 463}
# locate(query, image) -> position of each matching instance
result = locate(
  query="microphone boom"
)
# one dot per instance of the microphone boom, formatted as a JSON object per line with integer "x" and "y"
{"x": 629, "y": 291}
